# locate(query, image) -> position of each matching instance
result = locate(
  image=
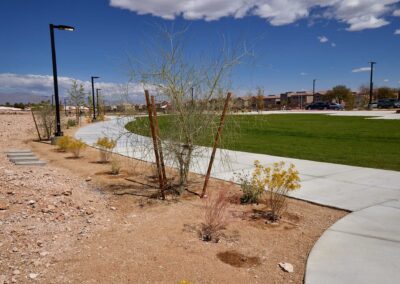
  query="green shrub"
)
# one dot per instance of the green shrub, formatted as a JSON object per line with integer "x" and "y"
{"x": 251, "y": 193}
{"x": 71, "y": 123}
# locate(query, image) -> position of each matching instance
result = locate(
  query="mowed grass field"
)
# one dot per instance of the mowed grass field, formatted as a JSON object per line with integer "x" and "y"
{"x": 354, "y": 141}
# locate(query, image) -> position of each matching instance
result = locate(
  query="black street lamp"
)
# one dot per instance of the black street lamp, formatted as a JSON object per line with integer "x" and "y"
{"x": 97, "y": 100}
{"x": 371, "y": 84}
{"x": 53, "y": 55}
{"x": 94, "y": 103}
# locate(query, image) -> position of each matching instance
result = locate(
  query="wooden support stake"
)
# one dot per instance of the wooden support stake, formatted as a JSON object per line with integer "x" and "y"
{"x": 37, "y": 128}
{"x": 217, "y": 136}
{"x": 164, "y": 176}
{"x": 153, "y": 134}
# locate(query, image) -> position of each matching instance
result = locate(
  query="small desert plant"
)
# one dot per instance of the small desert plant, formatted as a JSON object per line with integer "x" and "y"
{"x": 275, "y": 182}
{"x": 279, "y": 180}
{"x": 215, "y": 216}
{"x": 76, "y": 146}
{"x": 115, "y": 166}
{"x": 252, "y": 187}
{"x": 71, "y": 123}
{"x": 63, "y": 143}
{"x": 106, "y": 146}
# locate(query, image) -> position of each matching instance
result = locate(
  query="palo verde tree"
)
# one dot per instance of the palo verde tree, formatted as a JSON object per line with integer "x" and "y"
{"x": 196, "y": 89}
{"x": 77, "y": 98}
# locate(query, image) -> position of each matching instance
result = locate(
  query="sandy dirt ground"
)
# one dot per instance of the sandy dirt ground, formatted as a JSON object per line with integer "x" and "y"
{"x": 73, "y": 222}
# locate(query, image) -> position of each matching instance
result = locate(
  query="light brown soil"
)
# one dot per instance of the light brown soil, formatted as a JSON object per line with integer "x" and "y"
{"x": 80, "y": 231}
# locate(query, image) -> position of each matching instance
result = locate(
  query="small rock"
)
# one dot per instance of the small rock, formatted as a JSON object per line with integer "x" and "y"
{"x": 3, "y": 279}
{"x": 3, "y": 206}
{"x": 67, "y": 192}
{"x": 113, "y": 208}
{"x": 88, "y": 179}
{"x": 14, "y": 249}
{"x": 16, "y": 272}
{"x": 33, "y": 275}
{"x": 31, "y": 202}
{"x": 44, "y": 253}
{"x": 286, "y": 266}
{"x": 49, "y": 209}
{"x": 13, "y": 280}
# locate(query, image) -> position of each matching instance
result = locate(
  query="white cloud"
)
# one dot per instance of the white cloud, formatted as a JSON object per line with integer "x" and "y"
{"x": 396, "y": 13}
{"x": 357, "y": 14}
{"x": 323, "y": 39}
{"x": 333, "y": 44}
{"x": 362, "y": 69}
{"x": 397, "y": 32}
{"x": 43, "y": 85}
{"x": 303, "y": 74}
{"x": 385, "y": 80}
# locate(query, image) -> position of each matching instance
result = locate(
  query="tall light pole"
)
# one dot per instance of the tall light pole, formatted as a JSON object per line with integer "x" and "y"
{"x": 55, "y": 79}
{"x": 371, "y": 83}
{"x": 94, "y": 103}
{"x": 97, "y": 100}
{"x": 313, "y": 89}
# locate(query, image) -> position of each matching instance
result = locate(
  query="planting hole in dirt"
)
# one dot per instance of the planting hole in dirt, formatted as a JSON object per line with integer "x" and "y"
{"x": 237, "y": 259}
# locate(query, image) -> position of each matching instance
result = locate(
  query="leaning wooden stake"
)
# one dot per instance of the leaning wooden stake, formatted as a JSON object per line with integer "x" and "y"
{"x": 153, "y": 135}
{"x": 37, "y": 129}
{"x": 164, "y": 176}
{"x": 217, "y": 136}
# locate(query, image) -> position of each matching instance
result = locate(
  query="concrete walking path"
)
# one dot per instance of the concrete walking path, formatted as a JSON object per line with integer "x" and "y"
{"x": 361, "y": 239}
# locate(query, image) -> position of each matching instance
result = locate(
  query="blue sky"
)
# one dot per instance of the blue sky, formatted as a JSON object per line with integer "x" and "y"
{"x": 293, "y": 41}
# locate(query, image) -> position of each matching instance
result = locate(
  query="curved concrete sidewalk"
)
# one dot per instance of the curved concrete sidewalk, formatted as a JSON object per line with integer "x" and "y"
{"x": 361, "y": 248}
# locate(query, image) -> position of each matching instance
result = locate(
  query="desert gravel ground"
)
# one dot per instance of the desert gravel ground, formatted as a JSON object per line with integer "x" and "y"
{"x": 57, "y": 225}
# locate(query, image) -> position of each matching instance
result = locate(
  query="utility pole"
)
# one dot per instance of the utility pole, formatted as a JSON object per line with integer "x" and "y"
{"x": 371, "y": 83}
{"x": 313, "y": 89}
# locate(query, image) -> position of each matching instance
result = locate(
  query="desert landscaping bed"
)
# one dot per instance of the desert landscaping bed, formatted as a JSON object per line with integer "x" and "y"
{"x": 71, "y": 221}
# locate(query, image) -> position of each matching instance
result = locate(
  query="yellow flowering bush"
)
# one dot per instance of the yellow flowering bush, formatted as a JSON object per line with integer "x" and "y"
{"x": 63, "y": 142}
{"x": 278, "y": 180}
{"x": 106, "y": 146}
{"x": 275, "y": 182}
{"x": 76, "y": 146}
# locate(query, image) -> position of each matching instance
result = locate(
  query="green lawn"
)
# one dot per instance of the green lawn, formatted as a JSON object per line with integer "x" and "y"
{"x": 335, "y": 139}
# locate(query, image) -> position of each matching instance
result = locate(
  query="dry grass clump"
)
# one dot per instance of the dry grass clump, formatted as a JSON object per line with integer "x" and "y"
{"x": 215, "y": 216}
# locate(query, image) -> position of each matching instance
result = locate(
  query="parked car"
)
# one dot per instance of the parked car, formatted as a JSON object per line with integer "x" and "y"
{"x": 386, "y": 103}
{"x": 336, "y": 106}
{"x": 397, "y": 104}
{"x": 318, "y": 105}
{"x": 372, "y": 105}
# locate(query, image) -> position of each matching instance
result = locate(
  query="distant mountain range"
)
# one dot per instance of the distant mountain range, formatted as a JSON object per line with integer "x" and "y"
{"x": 31, "y": 98}
{"x": 22, "y": 98}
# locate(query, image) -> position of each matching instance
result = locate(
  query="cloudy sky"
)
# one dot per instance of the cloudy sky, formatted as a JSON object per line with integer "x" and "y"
{"x": 292, "y": 41}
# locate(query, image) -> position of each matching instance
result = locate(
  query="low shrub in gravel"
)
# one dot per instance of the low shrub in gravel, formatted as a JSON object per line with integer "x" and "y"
{"x": 76, "y": 146}
{"x": 63, "y": 142}
{"x": 106, "y": 146}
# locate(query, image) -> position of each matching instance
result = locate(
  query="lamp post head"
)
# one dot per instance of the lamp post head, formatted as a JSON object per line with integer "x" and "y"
{"x": 63, "y": 27}
{"x": 95, "y": 77}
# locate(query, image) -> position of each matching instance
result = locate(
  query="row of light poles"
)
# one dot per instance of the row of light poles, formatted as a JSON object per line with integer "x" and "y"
{"x": 55, "y": 79}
